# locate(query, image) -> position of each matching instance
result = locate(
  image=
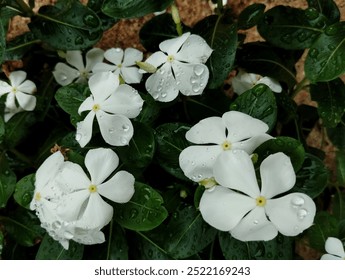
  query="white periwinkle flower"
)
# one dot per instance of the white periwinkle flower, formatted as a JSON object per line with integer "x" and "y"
{"x": 123, "y": 64}
{"x": 244, "y": 81}
{"x": 335, "y": 249}
{"x": 19, "y": 94}
{"x": 215, "y": 135}
{"x": 112, "y": 105}
{"x": 251, "y": 213}
{"x": 181, "y": 68}
{"x": 77, "y": 71}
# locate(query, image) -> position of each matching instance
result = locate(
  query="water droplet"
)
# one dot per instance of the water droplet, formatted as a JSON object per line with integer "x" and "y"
{"x": 194, "y": 79}
{"x": 286, "y": 39}
{"x": 255, "y": 222}
{"x": 134, "y": 213}
{"x": 79, "y": 40}
{"x": 159, "y": 88}
{"x": 259, "y": 89}
{"x": 78, "y": 137}
{"x": 68, "y": 235}
{"x": 111, "y": 130}
{"x": 313, "y": 53}
{"x": 56, "y": 225}
{"x": 311, "y": 13}
{"x": 125, "y": 127}
{"x": 124, "y": 141}
{"x": 301, "y": 37}
{"x": 198, "y": 70}
{"x": 302, "y": 213}
{"x": 90, "y": 20}
{"x": 196, "y": 88}
{"x": 332, "y": 30}
{"x": 164, "y": 94}
{"x": 297, "y": 201}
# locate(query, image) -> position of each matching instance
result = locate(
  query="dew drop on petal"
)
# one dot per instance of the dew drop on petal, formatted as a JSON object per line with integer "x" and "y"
{"x": 111, "y": 130}
{"x": 78, "y": 137}
{"x": 56, "y": 225}
{"x": 118, "y": 50}
{"x": 68, "y": 235}
{"x": 194, "y": 79}
{"x": 198, "y": 70}
{"x": 302, "y": 213}
{"x": 196, "y": 88}
{"x": 255, "y": 222}
{"x": 125, "y": 127}
{"x": 297, "y": 201}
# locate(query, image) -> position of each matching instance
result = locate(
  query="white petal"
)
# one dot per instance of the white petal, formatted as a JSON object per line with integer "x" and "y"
{"x": 207, "y": 131}
{"x": 102, "y": 85}
{"x": 131, "y": 75}
{"x": 27, "y": 87}
{"x": 335, "y": 247}
{"x": 11, "y": 101}
{"x": 86, "y": 105}
{"x": 114, "y": 55}
{"x": 172, "y": 46}
{"x": 9, "y": 113}
{"x": 64, "y": 74}
{"x": 234, "y": 169}
{"x": 157, "y": 59}
{"x": 72, "y": 204}
{"x": 197, "y": 161}
{"x": 223, "y": 208}
{"x": 26, "y": 101}
{"x": 328, "y": 257}
{"x": 4, "y": 88}
{"x": 116, "y": 130}
{"x": 191, "y": 79}
{"x": 101, "y": 163}
{"x": 17, "y": 77}
{"x": 277, "y": 175}
{"x": 194, "y": 50}
{"x": 291, "y": 214}
{"x": 252, "y": 143}
{"x": 132, "y": 56}
{"x": 73, "y": 177}
{"x": 242, "y": 126}
{"x": 84, "y": 129}
{"x": 273, "y": 84}
{"x": 162, "y": 85}
{"x": 119, "y": 188}
{"x": 243, "y": 81}
{"x": 104, "y": 67}
{"x": 75, "y": 59}
{"x": 87, "y": 236}
{"x": 93, "y": 57}
{"x": 255, "y": 227}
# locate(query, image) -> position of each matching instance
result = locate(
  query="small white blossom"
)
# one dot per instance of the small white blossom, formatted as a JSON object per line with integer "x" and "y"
{"x": 181, "y": 68}
{"x": 251, "y": 213}
{"x": 244, "y": 81}
{"x": 334, "y": 248}
{"x": 123, "y": 64}
{"x": 76, "y": 70}
{"x": 215, "y": 135}
{"x": 112, "y": 105}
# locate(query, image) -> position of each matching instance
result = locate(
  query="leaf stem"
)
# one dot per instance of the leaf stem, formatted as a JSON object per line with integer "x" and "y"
{"x": 302, "y": 84}
{"x": 25, "y": 9}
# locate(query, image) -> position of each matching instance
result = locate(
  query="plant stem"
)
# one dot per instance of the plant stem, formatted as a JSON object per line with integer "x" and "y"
{"x": 300, "y": 86}
{"x": 25, "y": 9}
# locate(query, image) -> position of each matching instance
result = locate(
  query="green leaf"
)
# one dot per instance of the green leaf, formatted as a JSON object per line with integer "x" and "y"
{"x": 312, "y": 178}
{"x": 24, "y": 190}
{"x": 340, "y": 163}
{"x": 287, "y": 145}
{"x": 2, "y": 42}
{"x": 133, "y": 8}
{"x": 117, "y": 248}
{"x": 325, "y": 225}
{"x": 20, "y": 45}
{"x": 288, "y": 28}
{"x": 250, "y": 16}
{"x": 171, "y": 141}
{"x": 280, "y": 248}
{"x": 67, "y": 28}
{"x": 2, "y": 129}
{"x": 150, "y": 111}
{"x": 337, "y": 135}
{"x": 258, "y": 102}
{"x": 7, "y": 181}
{"x": 325, "y": 61}
{"x": 188, "y": 233}
{"x": 222, "y": 38}
{"x": 327, "y": 8}
{"x": 330, "y": 97}
{"x": 143, "y": 212}
{"x": 51, "y": 249}
{"x": 338, "y": 207}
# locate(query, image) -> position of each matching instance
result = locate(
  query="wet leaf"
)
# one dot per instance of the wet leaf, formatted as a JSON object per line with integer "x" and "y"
{"x": 337, "y": 135}
{"x": 19, "y": 46}
{"x": 328, "y": 8}
{"x": 24, "y": 191}
{"x": 338, "y": 207}
{"x": 7, "y": 181}
{"x": 340, "y": 163}
{"x": 2, "y": 42}
{"x": 250, "y": 16}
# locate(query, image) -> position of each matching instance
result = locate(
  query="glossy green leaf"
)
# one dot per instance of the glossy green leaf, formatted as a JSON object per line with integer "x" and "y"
{"x": 143, "y": 212}
{"x": 288, "y": 28}
{"x": 340, "y": 163}
{"x": 133, "y": 8}
{"x": 2, "y": 42}
{"x": 171, "y": 141}
{"x": 150, "y": 111}
{"x": 328, "y": 8}
{"x": 2, "y": 129}
{"x": 330, "y": 97}
{"x": 287, "y": 145}
{"x": 258, "y": 102}
{"x": 325, "y": 61}
{"x": 51, "y": 249}
{"x": 7, "y": 181}
{"x": 312, "y": 178}
{"x": 338, "y": 207}
{"x": 250, "y": 16}
{"x": 116, "y": 245}
{"x": 188, "y": 233}
{"x": 67, "y": 28}
{"x": 20, "y": 45}
{"x": 24, "y": 191}
{"x": 286, "y": 107}
{"x": 221, "y": 36}
{"x": 337, "y": 135}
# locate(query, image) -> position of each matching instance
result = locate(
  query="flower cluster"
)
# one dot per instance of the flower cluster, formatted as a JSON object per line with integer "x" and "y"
{"x": 69, "y": 203}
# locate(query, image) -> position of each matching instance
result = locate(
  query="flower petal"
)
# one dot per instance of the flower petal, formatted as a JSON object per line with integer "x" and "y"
{"x": 84, "y": 129}
{"x": 114, "y": 55}
{"x": 132, "y": 56}
{"x": 194, "y": 50}
{"x": 252, "y": 143}
{"x": 104, "y": 67}
{"x": 234, "y": 169}
{"x": 242, "y": 126}
{"x": 119, "y": 188}
{"x": 93, "y": 57}
{"x": 86, "y": 105}
{"x": 207, "y": 131}
{"x": 10, "y": 102}
{"x": 291, "y": 214}
{"x": 329, "y": 257}
{"x": 27, "y": 87}
{"x": 116, "y": 130}
{"x": 10, "y": 112}
{"x": 131, "y": 75}
{"x": 197, "y": 161}
{"x": 172, "y": 46}
{"x": 102, "y": 85}
{"x": 73, "y": 177}
{"x": 72, "y": 204}
{"x": 17, "y": 77}
{"x": 157, "y": 59}
{"x": 243, "y": 81}
{"x": 64, "y": 74}
{"x": 75, "y": 59}
{"x": 223, "y": 209}
{"x": 191, "y": 79}
{"x": 88, "y": 237}
{"x": 101, "y": 163}
{"x": 273, "y": 84}
{"x": 162, "y": 85}
{"x": 277, "y": 175}
{"x": 335, "y": 247}
{"x": 255, "y": 227}
{"x": 26, "y": 101}
{"x": 4, "y": 88}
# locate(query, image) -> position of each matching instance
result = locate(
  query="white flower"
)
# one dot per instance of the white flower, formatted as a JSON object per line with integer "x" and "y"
{"x": 245, "y": 81}
{"x": 18, "y": 91}
{"x": 251, "y": 213}
{"x": 84, "y": 203}
{"x": 124, "y": 64}
{"x": 112, "y": 105}
{"x": 65, "y": 74}
{"x": 215, "y": 135}
{"x": 181, "y": 68}
{"x": 335, "y": 249}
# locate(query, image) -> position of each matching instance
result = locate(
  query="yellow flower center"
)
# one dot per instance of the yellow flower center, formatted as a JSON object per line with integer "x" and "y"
{"x": 38, "y": 196}
{"x": 14, "y": 90}
{"x": 170, "y": 58}
{"x": 93, "y": 188}
{"x": 261, "y": 201}
{"x": 226, "y": 145}
{"x": 120, "y": 65}
{"x": 96, "y": 107}
{"x": 208, "y": 183}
